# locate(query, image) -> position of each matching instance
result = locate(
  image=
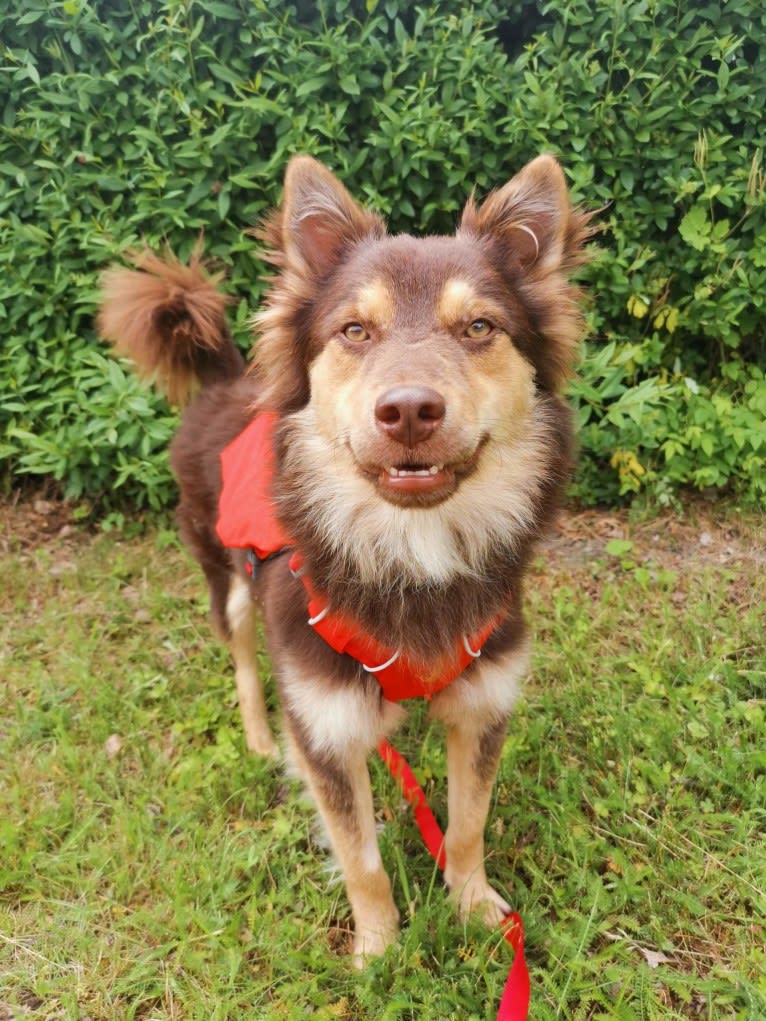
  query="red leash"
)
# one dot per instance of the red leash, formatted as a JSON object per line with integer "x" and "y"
{"x": 514, "y": 1006}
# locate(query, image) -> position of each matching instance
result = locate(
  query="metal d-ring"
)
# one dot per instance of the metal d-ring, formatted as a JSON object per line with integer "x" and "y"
{"x": 469, "y": 650}
{"x": 320, "y": 616}
{"x": 377, "y": 669}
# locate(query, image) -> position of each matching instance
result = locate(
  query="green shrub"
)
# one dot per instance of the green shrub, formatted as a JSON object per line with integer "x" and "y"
{"x": 147, "y": 120}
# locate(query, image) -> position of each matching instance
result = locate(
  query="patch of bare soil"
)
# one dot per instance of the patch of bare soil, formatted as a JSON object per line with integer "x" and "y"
{"x": 27, "y": 1002}
{"x": 29, "y": 525}
{"x": 702, "y": 534}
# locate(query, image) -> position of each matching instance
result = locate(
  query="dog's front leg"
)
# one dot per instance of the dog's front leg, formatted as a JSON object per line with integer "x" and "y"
{"x": 476, "y": 712}
{"x": 473, "y": 754}
{"x": 331, "y": 732}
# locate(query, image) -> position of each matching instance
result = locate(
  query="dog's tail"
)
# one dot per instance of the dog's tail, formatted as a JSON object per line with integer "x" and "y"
{"x": 168, "y": 318}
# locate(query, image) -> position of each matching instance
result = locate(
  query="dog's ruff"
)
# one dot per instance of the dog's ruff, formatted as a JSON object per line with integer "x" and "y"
{"x": 247, "y": 520}
{"x": 420, "y": 448}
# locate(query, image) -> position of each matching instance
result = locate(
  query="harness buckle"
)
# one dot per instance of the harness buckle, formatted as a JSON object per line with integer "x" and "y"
{"x": 252, "y": 563}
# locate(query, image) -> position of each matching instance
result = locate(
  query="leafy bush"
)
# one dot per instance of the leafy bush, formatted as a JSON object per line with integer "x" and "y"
{"x": 157, "y": 120}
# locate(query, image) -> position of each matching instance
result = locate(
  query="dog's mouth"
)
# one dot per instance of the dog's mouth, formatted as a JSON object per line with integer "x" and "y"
{"x": 416, "y": 478}
{"x": 412, "y": 482}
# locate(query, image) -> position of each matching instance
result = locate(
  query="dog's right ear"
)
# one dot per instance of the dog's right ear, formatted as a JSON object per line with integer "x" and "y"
{"x": 306, "y": 239}
{"x": 319, "y": 219}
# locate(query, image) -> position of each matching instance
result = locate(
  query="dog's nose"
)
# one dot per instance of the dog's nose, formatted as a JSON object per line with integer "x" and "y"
{"x": 410, "y": 414}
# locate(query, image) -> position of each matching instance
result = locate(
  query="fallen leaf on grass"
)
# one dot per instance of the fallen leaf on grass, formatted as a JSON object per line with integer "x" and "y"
{"x": 113, "y": 746}
{"x": 654, "y": 958}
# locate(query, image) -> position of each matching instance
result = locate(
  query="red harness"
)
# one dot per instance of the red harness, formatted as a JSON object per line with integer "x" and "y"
{"x": 246, "y": 520}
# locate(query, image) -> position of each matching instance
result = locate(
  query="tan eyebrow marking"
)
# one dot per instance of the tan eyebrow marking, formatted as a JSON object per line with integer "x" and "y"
{"x": 460, "y": 302}
{"x": 456, "y": 301}
{"x": 375, "y": 304}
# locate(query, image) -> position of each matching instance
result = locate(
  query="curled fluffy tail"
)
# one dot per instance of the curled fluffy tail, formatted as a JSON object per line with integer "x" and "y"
{"x": 169, "y": 319}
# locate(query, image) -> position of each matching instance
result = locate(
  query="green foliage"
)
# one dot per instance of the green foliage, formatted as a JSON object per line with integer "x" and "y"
{"x": 147, "y": 121}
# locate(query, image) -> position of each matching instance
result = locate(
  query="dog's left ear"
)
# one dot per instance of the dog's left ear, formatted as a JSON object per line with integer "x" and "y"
{"x": 319, "y": 219}
{"x": 531, "y": 216}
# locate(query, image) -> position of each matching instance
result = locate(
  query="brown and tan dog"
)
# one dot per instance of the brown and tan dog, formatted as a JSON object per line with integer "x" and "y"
{"x": 420, "y": 450}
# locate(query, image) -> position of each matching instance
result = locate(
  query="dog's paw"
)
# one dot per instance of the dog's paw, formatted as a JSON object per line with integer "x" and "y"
{"x": 260, "y": 741}
{"x": 374, "y": 933}
{"x": 477, "y": 897}
{"x": 372, "y": 941}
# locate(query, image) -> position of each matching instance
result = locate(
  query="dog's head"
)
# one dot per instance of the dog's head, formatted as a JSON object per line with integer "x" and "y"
{"x": 418, "y": 354}
{"x": 416, "y": 369}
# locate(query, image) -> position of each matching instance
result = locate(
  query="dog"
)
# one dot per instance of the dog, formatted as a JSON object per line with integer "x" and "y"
{"x": 380, "y": 472}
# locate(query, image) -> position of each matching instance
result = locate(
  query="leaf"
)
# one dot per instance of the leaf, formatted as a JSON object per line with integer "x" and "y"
{"x": 350, "y": 85}
{"x": 618, "y": 547}
{"x": 627, "y": 178}
{"x": 637, "y": 306}
{"x": 226, "y": 74}
{"x": 222, "y": 10}
{"x": 310, "y": 85}
{"x": 695, "y": 228}
{"x": 32, "y": 72}
{"x": 654, "y": 958}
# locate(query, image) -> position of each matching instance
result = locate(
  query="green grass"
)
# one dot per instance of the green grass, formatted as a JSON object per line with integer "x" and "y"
{"x": 178, "y": 878}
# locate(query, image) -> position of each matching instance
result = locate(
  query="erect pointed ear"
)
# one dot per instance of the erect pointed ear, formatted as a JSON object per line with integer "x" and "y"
{"x": 530, "y": 214}
{"x": 319, "y": 219}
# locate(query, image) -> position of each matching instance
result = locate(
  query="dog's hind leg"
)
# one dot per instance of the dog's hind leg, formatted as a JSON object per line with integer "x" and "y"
{"x": 232, "y": 614}
{"x": 240, "y": 618}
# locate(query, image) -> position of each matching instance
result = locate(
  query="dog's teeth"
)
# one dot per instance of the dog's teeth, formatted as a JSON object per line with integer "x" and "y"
{"x": 418, "y": 472}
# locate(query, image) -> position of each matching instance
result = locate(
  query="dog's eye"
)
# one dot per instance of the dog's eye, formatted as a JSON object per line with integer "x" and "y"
{"x": 479, "y": 329}
{"x": 356, "y": 333}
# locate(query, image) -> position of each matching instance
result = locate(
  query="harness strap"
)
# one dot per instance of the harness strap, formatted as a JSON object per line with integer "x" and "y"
{"x": 398, "y": 675}
{"x": 253, "y": 561}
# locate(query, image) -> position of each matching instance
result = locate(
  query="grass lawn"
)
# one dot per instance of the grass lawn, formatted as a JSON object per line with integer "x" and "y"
{"x": 150, "y": 869}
